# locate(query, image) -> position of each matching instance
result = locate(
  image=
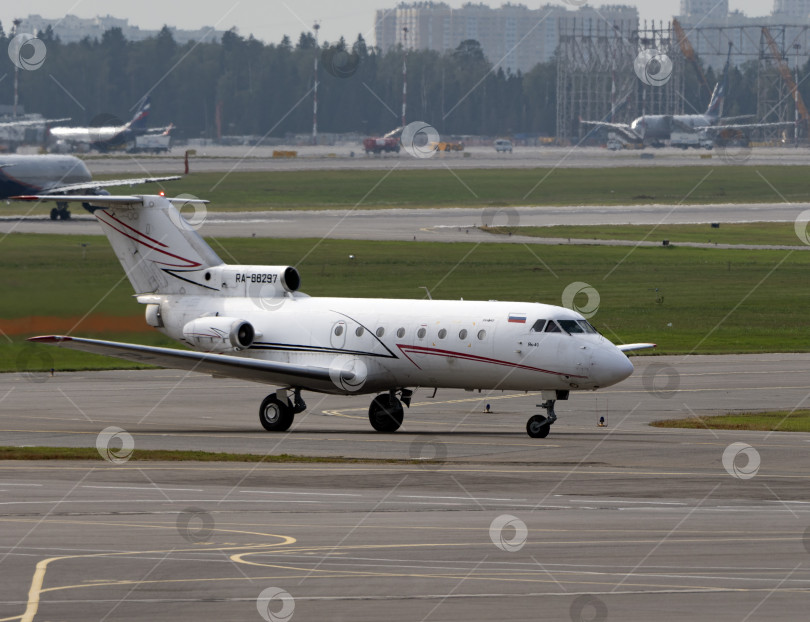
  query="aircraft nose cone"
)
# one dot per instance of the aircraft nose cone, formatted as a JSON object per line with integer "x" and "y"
{"x": 610, "y": 366}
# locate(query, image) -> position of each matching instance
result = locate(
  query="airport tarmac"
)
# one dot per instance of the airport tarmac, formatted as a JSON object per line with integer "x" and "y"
{"x": 221, "y": 159}
{"x": 436, "y": 225}
{"x": 624, "y": 522}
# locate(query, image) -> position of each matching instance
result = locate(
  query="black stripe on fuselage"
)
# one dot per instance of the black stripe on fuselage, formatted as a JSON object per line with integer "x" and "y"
{"x": 289, "y": 347}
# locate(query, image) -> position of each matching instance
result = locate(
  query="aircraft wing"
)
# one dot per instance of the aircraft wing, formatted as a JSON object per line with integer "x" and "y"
{"x": 746, "y": 126}
{"x": 110, "y": 183}
{"x": 27, "y": 122}
{"x": 622, "y": 128}
{"x": 629, "y": 347}
{"x": 240, "y": 367}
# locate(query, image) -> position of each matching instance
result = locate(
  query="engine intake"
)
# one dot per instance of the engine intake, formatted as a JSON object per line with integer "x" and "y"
{"x": 290, "y": 279}
{"x": 219, "y": 334}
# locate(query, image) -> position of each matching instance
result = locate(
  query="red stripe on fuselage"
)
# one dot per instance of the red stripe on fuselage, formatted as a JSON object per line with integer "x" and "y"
{"x": 475, "y": 358}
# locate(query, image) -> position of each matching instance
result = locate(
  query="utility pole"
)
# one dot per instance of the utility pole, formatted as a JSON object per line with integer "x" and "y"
{"x": 317, "y": 27}
{"x": 797, "y": 47}
{"x": 14, "y": 33}
{"x": 404, "y": 71}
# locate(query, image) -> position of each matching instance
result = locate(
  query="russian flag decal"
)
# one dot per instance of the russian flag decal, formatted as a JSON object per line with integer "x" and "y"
{"x": 517, "y": 318}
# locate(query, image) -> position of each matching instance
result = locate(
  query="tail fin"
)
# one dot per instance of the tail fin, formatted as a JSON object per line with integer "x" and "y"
{"x": 138, "y": 122}
{"x": 715, "y": 109}
{"x": 160, "y": 251}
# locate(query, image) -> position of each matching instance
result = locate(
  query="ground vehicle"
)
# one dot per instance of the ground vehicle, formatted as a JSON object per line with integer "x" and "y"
{"x": 385, "y": 144}
{"x": 684, "y": 140}
{"x": 503, "y": 145}
{"x": 151, "y": 143}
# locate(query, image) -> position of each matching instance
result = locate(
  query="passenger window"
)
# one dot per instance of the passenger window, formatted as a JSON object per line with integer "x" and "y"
{"x": 572, "y": 327}
{"x": 551, "y": 327}
{"x": 421, "y": 333}
{"x": 380, "y": 331}
{"x": 538, "y": 326}
{"x": 359, "y": 332}
{"x": 462, "y": 334}
{"x": 338, "y": 330}
{"x": 442, "y": 333}
{"x": 482, "y": 334}
{"x": 400, "y": 332}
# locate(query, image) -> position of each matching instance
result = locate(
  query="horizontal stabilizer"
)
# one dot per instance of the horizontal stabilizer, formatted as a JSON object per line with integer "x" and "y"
{"x": 240, "y": 367}
{"x": 101, "y": 200}
{"x": 629, "y": 347}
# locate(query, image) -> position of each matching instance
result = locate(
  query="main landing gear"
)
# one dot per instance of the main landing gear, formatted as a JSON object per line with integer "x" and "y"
{"x": 276, "y": 413}
{"x": 61, "y": 211}
{"x": 386, "y": 412}
{"x": 539, "y": 426}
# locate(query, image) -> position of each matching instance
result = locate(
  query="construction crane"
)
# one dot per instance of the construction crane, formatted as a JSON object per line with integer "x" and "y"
{"x": 689, "y": 53}
{"x": 787, "y": 76}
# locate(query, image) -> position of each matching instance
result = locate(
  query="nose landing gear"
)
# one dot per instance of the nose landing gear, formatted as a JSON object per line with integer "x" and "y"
{"x": 539, "y": 426}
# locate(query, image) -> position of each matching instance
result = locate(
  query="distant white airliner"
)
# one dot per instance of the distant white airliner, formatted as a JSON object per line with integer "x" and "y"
{"x": 657, "y": 128}
{"x": 251, "y": 322}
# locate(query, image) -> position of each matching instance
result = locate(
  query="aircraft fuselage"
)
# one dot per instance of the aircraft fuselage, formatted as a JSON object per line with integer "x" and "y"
{"x": 30, "y": 174}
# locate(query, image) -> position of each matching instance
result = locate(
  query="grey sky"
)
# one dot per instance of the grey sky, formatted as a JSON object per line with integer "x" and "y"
{"x": 269, "y": 20}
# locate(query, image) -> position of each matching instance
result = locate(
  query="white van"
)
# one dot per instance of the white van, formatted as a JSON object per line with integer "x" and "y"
{"x": 503, "y": 145}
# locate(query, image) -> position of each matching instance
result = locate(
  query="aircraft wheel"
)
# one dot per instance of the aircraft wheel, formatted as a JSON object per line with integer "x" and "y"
{"x": 538, "y": 427}
{"x": 275, "y": 415}
{"x": 54, "y": 214}
{"x": 385, "y": 413}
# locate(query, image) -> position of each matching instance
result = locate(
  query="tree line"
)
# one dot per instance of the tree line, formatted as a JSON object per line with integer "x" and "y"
{"x": 266, "y": 89}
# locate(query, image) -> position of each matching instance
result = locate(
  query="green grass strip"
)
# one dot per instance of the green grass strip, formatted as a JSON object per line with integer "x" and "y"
{"x": 776, "y": 421}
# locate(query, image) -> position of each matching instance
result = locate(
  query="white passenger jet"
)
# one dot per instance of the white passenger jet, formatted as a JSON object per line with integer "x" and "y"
{"x": 252, "y": 323}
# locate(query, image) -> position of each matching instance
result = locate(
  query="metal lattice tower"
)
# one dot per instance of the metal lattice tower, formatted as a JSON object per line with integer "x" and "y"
{"x": 596, "y": 79}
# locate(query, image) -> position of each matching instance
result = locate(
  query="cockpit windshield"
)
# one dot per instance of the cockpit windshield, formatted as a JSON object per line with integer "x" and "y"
{"x": 577, "y": 327}
{"x": 538, "y": 326}
{"x": 571, "y": 327}
{"x": 551, "y": 327}
{"x": 587, "y": 327}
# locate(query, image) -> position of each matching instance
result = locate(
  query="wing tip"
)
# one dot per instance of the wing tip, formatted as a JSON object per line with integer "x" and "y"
{"x": 49, "y": 339}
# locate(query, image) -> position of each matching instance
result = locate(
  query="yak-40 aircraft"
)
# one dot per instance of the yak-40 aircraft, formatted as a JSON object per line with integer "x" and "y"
{"x": 252, "y": 323}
